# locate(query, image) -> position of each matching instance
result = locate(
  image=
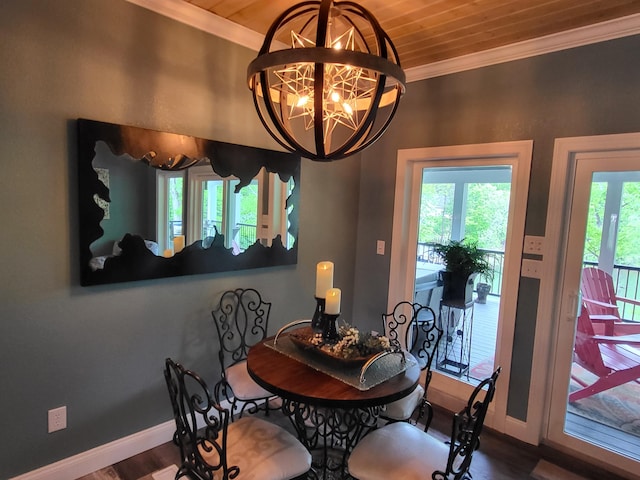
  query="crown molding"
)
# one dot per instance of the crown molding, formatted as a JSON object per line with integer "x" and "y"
{"x": 196, "y": 17}
{"x": 600, "y": 32}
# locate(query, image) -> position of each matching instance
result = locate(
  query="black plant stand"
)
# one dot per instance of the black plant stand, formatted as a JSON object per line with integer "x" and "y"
{"x": 454, "y": 349}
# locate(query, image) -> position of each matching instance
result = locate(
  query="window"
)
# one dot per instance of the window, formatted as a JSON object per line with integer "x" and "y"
{"x": 215, "y": 207}
{"x": 170, "y": 203}
{"x": 198, "y": 203}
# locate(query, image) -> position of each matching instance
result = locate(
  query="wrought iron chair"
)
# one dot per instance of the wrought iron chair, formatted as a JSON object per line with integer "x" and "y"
{"x": 401, "y": 450}
{"x": 613, "y": 359}
{"x": 599, "y": 294}
{"x": 211, "y": 447}
{"x": 413, "y": 327}
{"x": 241, "y": 319}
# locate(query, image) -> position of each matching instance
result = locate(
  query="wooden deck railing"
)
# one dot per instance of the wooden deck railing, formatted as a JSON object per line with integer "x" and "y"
{"x": 244, "y": 234}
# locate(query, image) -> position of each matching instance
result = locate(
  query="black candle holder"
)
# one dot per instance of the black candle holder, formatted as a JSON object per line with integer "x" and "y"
{"x": 316, "y": 321}
{"x": 330, "y": 326}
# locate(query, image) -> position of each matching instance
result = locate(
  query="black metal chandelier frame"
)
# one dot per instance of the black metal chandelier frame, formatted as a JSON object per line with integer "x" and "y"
{"x": 274, "y": 117}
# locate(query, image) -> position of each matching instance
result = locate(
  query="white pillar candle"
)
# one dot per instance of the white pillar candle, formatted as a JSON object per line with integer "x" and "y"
{"x": 333, "y": 301}
{"x": 324, "y": 278}
{"x": 178, "y": 243}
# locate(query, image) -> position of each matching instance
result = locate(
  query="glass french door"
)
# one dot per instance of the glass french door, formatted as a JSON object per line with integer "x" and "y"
{"x": 601, "y": 246}
{"x": 469, "y": 204}
{"x": 476, "y": 192}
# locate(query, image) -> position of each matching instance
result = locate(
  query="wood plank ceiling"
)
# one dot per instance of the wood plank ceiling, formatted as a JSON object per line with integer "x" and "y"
{"x": 427, "y": 31}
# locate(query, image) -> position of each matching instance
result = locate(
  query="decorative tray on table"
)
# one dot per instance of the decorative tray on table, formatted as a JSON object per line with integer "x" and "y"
{"x": 309, "y": 341}
{"x": 362, "y": 361}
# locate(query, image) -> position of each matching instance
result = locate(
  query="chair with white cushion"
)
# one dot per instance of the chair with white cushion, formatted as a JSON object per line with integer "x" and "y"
{"x": 241, "y": 319}
{"x": 213, "y": 448}
{"x": 412, "y": 327}
{"x": 401, "y": 450}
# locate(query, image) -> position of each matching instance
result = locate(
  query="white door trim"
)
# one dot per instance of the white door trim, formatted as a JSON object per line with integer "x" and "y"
{"x": 567, "y": 152}
{"x": 404, "y": 238}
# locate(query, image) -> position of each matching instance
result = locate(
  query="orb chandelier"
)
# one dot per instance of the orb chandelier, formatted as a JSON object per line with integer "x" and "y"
{"x": 327, "y": 80}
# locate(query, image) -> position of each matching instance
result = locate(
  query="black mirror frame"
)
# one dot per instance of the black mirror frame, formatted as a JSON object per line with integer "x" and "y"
{"x": 136, "y": 262}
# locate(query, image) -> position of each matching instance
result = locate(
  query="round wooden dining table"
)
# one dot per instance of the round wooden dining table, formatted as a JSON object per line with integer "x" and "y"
{"x": 296, "y": 381}
{"x": 329, "y": 415}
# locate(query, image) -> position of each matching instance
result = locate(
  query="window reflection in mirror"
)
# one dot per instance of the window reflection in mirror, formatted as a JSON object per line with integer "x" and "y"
{"x": 197, "y": 204}
{"x": 234, "y": 207}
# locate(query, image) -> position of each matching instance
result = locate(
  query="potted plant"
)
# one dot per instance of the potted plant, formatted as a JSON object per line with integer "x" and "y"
{"x": 463, "y": 262}
{"x": 483, "y": 290}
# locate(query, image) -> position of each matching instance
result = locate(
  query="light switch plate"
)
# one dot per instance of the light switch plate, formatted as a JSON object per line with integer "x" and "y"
{"x": 531, "y": 268}
{"x": 533, "y": 245}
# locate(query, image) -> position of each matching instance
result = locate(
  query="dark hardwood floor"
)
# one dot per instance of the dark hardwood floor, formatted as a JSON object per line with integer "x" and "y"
{"x": 139, "y": 466}
{"x": 499, "y": 458}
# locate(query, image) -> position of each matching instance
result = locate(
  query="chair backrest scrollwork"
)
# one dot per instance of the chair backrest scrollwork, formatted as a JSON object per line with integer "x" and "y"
{"x": 201, "y": 425}
{"x": 413, "y": 327}
{"x": 241, "y": 319}
{"x": 465, "y": 433}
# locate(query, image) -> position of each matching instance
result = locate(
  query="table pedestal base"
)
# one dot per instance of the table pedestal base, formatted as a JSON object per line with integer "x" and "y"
{"x": 330, "y": 434}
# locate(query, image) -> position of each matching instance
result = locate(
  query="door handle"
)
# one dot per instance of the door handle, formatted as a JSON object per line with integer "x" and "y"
{"x": 574, "y": 303}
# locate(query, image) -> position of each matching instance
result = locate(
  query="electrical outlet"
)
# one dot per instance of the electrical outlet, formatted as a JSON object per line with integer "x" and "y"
{"x": 531, "y": 268}
{"x": 57, "y": 419}
{"x": 533, "y": 244}
{"x": 380, "y": 247}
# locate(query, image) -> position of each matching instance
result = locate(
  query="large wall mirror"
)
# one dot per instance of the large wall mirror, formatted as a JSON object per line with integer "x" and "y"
{"x": 156, "y": 204}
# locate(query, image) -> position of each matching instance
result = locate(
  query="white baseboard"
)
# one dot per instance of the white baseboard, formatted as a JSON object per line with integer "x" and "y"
{"x": 522, "y": 431}
{"x": 100, "y": 457}
{"x": 105, "y": 455}
{"x": 445, "y": 400}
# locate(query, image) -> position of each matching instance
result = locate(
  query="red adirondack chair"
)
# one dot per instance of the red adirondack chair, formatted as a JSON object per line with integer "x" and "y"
{"x": 600, "y": 296}
{"x": 615, "y": 360}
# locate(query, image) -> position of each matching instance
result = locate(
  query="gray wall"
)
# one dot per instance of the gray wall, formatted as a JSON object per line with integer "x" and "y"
{"x": 100, "y": 350}
{"x": 591, "y": 90}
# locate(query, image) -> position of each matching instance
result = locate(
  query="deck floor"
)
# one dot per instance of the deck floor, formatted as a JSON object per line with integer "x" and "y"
{"x": 602, "y": 435}
{"x": 478, "y": 351}
{"x": 485, "y": 331}
{"x": 482, "y": 350}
